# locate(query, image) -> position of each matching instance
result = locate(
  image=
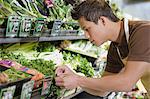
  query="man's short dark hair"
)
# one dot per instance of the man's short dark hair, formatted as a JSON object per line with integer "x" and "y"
{"x": 92, "y": 10}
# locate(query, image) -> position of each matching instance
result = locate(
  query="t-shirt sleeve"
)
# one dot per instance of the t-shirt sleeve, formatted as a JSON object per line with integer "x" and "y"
{"x": 139, "y": 45}
{"x": 114, "y": 63}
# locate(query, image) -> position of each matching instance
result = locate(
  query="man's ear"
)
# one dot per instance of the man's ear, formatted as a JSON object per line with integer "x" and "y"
{"x": 102, "y": 19}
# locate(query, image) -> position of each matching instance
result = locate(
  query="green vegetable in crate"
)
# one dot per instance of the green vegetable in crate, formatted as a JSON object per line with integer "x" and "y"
{"x": 45, "y": 67}
{"x": 19, "y": 68}
{"x": 45, "y": 47}
{"x": 60, "y": 11}
{"x": 79, "y": 64}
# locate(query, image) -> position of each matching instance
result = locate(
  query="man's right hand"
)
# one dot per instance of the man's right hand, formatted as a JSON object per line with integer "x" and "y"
{"x": 60, "y": 72}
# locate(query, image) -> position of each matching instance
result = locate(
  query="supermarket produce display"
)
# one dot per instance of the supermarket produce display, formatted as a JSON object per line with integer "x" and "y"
{"x": 43, "y": 59}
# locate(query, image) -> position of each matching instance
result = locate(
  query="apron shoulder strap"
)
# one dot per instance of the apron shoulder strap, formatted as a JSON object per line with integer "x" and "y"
{"x": 126, "y": 27}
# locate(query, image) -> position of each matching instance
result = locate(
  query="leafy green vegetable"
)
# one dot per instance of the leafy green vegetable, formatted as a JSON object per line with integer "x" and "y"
{"x": 79, "y": 64}
{"x": 43, "y": 66}
{"x": 45, "y": 47}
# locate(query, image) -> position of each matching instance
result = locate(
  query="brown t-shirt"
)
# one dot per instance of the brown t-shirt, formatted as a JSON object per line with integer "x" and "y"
{"x": 137, "y": 49}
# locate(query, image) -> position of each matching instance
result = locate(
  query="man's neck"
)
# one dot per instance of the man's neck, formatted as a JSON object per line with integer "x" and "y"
{"x": 115, "y": 30}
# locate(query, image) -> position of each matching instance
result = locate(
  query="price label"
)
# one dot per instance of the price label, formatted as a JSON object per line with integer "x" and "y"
{"x": 7, "y": 93}
{"x": 27, "y": 90}
{"x": 56, "y": 28}
{"x": 39, "y": 25}
{"x": 13, "y": 25}
{"x": 46, "y": 86}
{"x": 25, "y": 27}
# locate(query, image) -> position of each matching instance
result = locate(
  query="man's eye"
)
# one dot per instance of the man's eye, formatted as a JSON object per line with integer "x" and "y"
{"x": 86, "y": 29}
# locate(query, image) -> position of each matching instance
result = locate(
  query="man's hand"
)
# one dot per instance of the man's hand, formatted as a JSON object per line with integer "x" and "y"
{"x": 66, "y": 77}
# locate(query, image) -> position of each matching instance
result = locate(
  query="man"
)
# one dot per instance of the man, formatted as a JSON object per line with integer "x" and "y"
{"x": 130, "y": 41}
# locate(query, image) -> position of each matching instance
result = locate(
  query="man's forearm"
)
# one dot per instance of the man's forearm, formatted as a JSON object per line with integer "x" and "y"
{"x": 96, "y": 92}
{"x": 108, "y": 83}
{"x": 123, "y": 81}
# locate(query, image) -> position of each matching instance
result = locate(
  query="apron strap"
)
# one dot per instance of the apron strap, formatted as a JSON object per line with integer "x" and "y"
{"x": 126, "y": 27}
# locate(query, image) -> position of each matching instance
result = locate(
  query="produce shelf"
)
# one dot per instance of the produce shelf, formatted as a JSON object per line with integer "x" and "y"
{"x": 16, "y": 40}
{"x": 55, "y": 38}
{"x": 36, "y": 39}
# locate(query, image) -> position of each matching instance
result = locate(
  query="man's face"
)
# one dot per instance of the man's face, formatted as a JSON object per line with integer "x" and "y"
{"x": 94, "y": 32}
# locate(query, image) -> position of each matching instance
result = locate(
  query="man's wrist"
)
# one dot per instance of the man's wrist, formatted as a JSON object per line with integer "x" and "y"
{"x": 79, "y": 80}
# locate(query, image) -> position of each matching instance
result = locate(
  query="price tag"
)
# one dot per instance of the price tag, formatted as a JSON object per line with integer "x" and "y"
{"x": 46, "y": 86}
{"x": 7, "y": 93}
{"x": 27, "y": 90}
{"x": 13, "y": 25}
{"x": 39, "y": 25}
{"x": 56, "y": 28}
{"x": 25, "y": 27}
